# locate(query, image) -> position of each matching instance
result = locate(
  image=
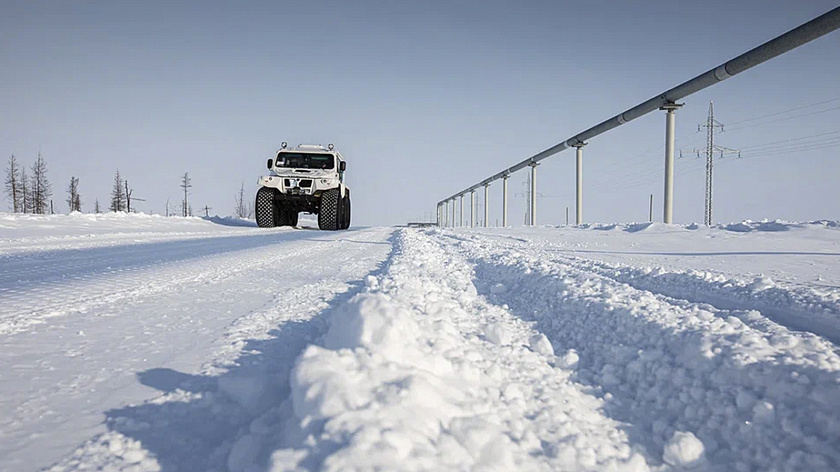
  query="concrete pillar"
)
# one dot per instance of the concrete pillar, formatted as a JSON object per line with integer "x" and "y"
{"x": 453, "y": 213}
{"x": 668, "y": 207}
{"x": 504, "y": 199}
{"x": 533, "y": 194}
{"x": 486, "y": 205}
{"x": 472, "y": 208}
{"x": 462, "y": 211}
{"x": 579, "y": 184}
{"x": 446, "y": 214}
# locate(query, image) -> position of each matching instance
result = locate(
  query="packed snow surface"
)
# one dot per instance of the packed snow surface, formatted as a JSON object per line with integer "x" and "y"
{"x": 135, "y": 342}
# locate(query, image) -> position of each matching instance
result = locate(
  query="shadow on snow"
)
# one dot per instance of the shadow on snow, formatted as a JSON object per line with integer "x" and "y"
{"x": 199, "y": 433}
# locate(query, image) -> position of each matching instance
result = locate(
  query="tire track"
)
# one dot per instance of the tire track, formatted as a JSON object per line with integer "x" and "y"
{"x": 78, "y": 281}
{"x": 756, "y": 400}
{"x": 800, "y": 308}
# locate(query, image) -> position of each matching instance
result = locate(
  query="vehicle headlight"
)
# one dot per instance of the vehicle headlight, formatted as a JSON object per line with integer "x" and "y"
{"x": 325, "y": 181}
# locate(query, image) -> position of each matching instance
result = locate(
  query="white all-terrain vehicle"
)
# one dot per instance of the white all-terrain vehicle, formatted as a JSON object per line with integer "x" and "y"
{"x": 308, "y": 178}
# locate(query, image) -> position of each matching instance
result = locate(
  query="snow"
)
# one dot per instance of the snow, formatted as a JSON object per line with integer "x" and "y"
{"x": 683, "y": 449}
{"x": 138, "y": 342}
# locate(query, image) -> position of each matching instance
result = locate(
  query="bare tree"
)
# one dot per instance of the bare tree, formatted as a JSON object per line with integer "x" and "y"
{"x": 127, "y": 198}
{"x": 74, "y": 200}
{"x": 25, "y": 193}
{"x": 185, "y": 184}
{"x": 13, "y": 185}
{"x": 243, "y": 208}
{"x": 167, "y": 206}
{"x": 96, "y": 207}
{"x": 41, "y": 190}
{"x": 118, "y": 200}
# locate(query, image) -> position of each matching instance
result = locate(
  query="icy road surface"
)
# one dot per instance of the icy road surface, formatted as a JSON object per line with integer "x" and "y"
{"x": 146, "y": 343}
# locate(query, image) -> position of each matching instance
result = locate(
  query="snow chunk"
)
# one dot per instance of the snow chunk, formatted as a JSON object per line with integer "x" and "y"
{"x": 370, "y": 320}
{"x": 763, "y": 412}
{"x": 540, "y": 344}
{"x": 499, "y": 334}
{"x": 683, "y": 449}
{"x": 762, "y": 283}
{"x": 570, "y": 359}
{"x": 485, "y": 442}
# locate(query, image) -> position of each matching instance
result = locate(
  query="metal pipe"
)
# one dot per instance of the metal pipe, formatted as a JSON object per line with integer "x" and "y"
{"x": 486, "y": 204}
{"x": 794, "y": 38}
{"x": 504, "y": 200}
{"x": 534, "y": 194}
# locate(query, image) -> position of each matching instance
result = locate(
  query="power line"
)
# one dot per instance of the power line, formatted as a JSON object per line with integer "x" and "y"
{"x": 804, "y": 147}
{"x": 802, "y": 138}
{"x": 786, "y": 118}
{"x": 785, "y": 111}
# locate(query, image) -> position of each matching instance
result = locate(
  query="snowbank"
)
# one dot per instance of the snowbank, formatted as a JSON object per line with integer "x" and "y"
{"x": 704, "y": 385}
{"x": 419, "y": 373}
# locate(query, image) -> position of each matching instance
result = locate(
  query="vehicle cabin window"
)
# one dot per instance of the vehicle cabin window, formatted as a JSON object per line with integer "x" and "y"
{"x": 302, "y": 160}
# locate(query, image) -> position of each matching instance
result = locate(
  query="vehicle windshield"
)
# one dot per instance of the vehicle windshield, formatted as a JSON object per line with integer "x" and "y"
{"x": 305, "y": 160}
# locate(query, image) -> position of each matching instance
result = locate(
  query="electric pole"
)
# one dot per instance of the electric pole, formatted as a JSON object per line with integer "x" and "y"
{"x": 709, "y": 152}
{"x": 650, "y": 213}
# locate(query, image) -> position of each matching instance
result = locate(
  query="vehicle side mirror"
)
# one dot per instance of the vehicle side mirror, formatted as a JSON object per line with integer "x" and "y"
{"x": 342, "y": 166}
{"x": 270, "y": 161}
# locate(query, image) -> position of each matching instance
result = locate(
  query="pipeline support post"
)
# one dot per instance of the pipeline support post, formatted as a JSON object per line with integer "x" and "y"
{"x": 445, "y": 211}
{"x": 486, "y": 204}
{"x": 668, "y": 205}
{"x": 534, "y": 193}
{"x": 462, "y": 211}
{"x": 472, "y": 208}
{"x": 579, "y": 183}
{"x": 453, "y": 213}
{"x": 504, "y": 199}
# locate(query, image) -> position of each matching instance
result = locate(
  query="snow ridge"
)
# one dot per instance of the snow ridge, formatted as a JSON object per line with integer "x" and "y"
{"x": 418, "y": 372}
{"x": 802, "y": 308}
{"x": 752, "y": 395}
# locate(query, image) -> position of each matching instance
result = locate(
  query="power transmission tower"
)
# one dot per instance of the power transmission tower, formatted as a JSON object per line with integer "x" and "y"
{"x": 709, "y": 152}
{"x": 527, "y": 196}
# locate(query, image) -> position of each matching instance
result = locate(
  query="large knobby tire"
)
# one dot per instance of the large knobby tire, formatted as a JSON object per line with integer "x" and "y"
{"x": 288, "y": 217}
{"x": 284, "y": 217}
{"x": 267, "y": 211}
{"x": 328, "y": 213}
{"x": 346, "y": 212}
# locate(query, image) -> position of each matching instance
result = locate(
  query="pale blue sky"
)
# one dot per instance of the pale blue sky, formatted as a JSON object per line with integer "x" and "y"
{"x": 422, "y": 98}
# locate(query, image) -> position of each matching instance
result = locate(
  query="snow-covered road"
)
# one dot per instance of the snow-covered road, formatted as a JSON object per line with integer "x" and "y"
{"x": 89, "y": 330}
{"x": 143, "y": 343}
